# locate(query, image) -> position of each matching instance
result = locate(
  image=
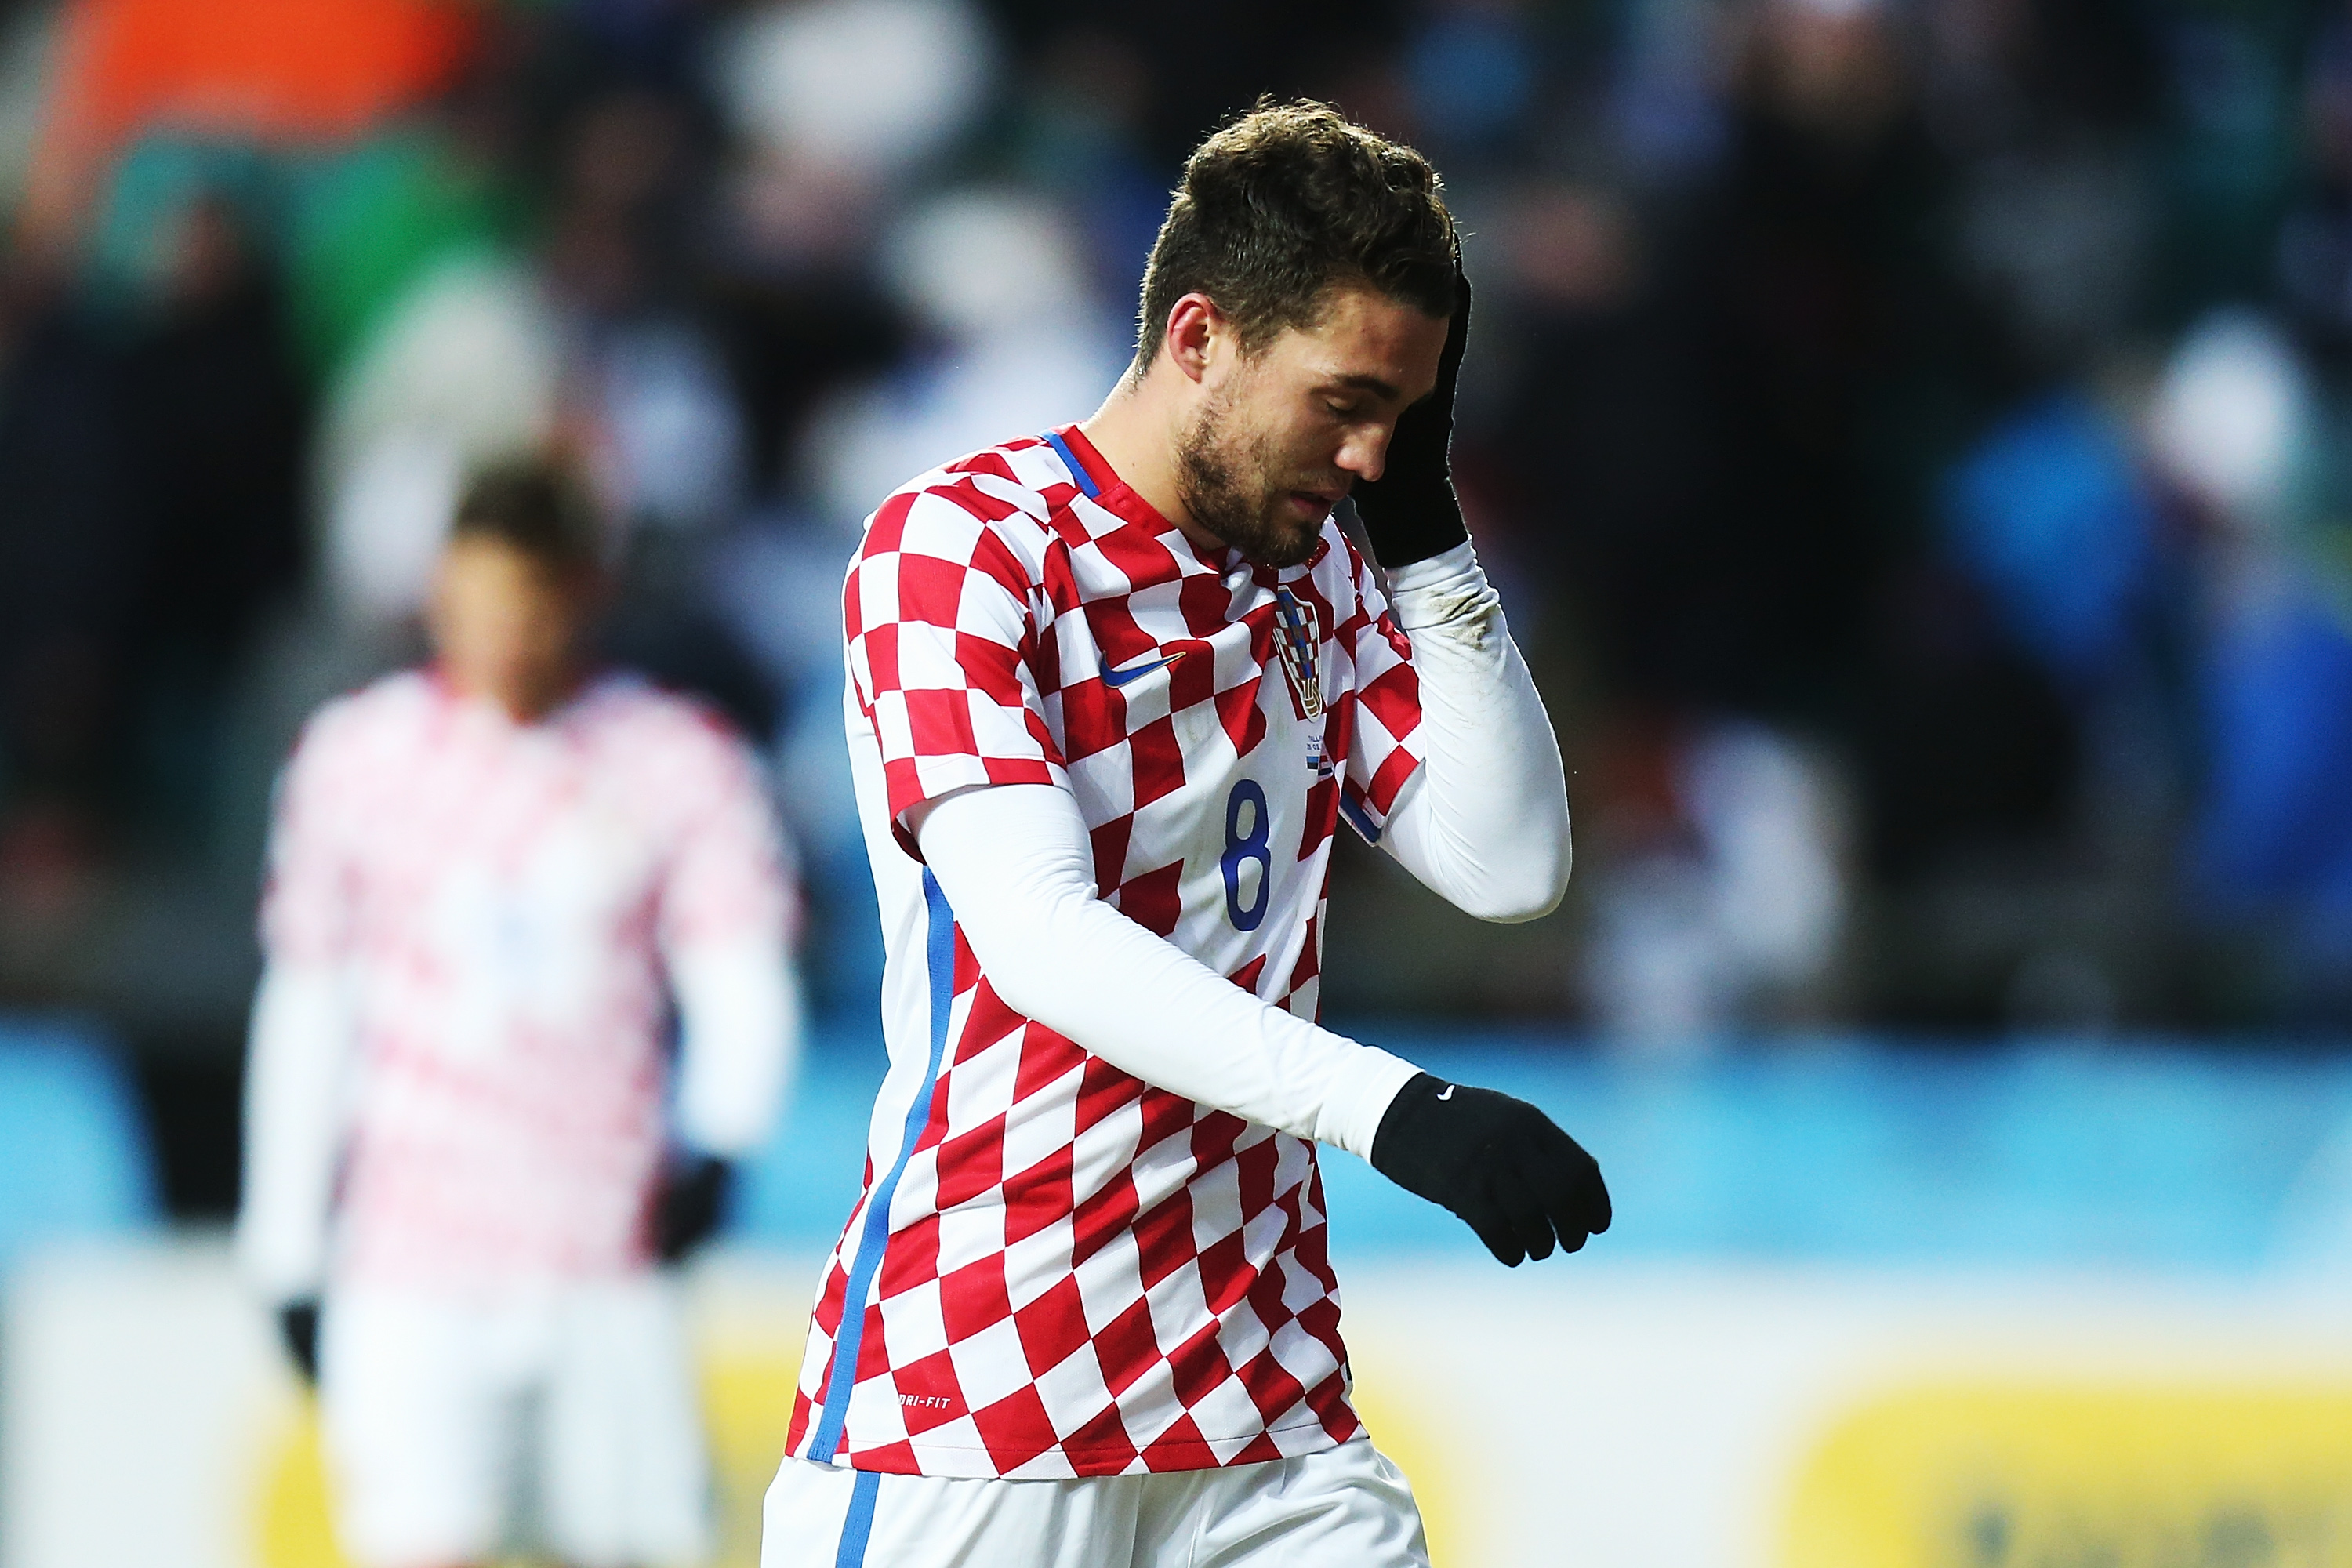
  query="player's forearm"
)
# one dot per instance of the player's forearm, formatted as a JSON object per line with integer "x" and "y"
{"x": 1015, "y": 866}
{"x": 1485, "y": 820}
{"x": 295, "y": 1095}
{"x": 740, "y": 1018}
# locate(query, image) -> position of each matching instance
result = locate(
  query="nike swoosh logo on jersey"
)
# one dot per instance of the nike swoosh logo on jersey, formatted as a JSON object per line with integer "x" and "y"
{"x": 1448, "y": 1094}
{"x": 1116, "y": 678}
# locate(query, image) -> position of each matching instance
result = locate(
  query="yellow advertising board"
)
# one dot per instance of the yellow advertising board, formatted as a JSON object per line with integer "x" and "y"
{"x": 2124, "y": 1475}
{"x": 1668, "y": 1418}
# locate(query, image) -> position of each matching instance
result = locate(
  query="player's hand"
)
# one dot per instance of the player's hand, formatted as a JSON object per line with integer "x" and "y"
{"x": 689, "y": 1203}
{"x": 1410, "y": 512}
{"x": 1499, "y": 1164}
{"x": 297, "y": 1325}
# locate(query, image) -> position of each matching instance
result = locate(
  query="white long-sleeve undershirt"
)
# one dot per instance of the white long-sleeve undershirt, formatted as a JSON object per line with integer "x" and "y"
{"x": 739, "y": 1021}
{"x": 1484, "y": 823}
{"x": 298, "y": 1085}
{"x": 1014, "y": 864}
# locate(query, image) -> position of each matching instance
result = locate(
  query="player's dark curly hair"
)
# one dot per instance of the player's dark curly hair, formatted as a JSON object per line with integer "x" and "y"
{"x": 535, "y": 508}
{"x": 1284, "y": 202}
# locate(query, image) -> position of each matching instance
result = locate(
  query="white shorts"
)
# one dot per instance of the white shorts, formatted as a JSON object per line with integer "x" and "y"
{"x": 562, "y": 1416}
{"x": 1344, "y": 1507}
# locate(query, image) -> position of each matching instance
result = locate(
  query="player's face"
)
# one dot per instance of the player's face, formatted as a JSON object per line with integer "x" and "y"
{"x": 1281, "y": 434}
{"x": 506, "y": 627}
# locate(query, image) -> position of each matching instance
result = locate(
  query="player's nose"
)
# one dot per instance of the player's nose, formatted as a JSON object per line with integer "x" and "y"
{"x": 1366, "y": 455}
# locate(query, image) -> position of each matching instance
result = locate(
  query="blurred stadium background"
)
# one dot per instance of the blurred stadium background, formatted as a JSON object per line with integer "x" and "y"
{"x": 1914, "y": 438}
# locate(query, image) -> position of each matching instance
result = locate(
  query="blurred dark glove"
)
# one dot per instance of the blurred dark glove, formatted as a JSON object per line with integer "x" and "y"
{"x": 297, "y": 1325}
{"x": 1410, "y": 512}
{"x": 1499, "y": 1164}
{"x": 689, "y": 1204}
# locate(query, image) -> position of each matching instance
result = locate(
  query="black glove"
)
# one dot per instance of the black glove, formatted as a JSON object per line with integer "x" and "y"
{"x": 1410, "y": 512}
{"x": 689, "y": 1204}
{"x": 297, "y": 1325}
{"x": 1499, "y": 1164}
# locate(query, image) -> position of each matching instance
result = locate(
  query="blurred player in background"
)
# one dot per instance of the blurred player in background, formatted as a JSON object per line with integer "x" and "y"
{"x": 490, "y": 880}
{"x": 1112, "y": 688}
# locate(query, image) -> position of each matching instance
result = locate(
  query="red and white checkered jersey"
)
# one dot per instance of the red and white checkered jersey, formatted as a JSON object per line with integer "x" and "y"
{"x": 501, "y": 897}
{"x": 1056, "y": 1269}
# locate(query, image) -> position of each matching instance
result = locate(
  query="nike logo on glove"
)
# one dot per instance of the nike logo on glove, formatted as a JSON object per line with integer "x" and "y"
{"x": 1116, "y": 677}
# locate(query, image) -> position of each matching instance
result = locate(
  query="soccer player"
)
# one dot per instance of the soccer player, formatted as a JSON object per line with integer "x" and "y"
{"x": 490, "y": 881}
{"x": 1111, "y": 689}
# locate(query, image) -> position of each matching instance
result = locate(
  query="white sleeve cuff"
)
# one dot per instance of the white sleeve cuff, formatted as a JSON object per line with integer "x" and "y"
{"x": 1443, "y": 587}
{"x": 1361, "y": 1092}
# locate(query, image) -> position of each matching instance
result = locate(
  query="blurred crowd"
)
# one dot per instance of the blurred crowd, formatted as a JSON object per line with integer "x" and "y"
{"x": 1914, "y": 437}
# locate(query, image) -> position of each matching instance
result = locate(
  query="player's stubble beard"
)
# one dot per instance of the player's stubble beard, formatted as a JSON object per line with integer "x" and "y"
{"x": 1223, "y": 478}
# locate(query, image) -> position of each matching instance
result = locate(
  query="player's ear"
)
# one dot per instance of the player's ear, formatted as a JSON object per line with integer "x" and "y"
{"x": 1194, "y": 325}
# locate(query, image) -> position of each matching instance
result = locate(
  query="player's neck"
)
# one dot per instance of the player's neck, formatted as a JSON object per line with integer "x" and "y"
{"x": 523, "y": 702}
{"x": 1137, "y": 431}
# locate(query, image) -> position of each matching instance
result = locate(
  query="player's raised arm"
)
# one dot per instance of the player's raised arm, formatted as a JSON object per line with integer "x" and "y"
{"x": 1484, "y": 821}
